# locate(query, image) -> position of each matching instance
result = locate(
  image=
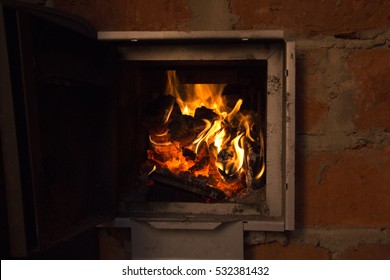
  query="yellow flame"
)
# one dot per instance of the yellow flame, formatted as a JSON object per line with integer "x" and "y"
{"x": 262, "y": 170}
{"x": 219, "y": 140}
{"x": 235, "y": 110}
{"x": 202, "y": 135}
{"x": 238, "y": 157}
{"x": 159, "y": 143}
{"x": 192, "y": 96}
{"x": 165, "y": 133}
{"x": 153, "y": 169}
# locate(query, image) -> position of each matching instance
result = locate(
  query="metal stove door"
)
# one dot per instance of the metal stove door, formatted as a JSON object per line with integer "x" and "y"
{"x": 57, "y": 108}
{"x": 187, "y": 240}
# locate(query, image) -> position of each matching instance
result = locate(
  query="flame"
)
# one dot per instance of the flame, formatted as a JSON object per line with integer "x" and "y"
{"x": 196, "y": 95}
{"x": 261, "y": 172}
{"x": 221, "y": 143}
{"x": 235, "y": 163}
{"x": 153, "y": 169}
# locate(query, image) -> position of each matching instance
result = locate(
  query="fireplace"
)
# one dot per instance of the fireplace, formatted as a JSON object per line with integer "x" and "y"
{"x": 252, "y": 69}
{"x": 103, "y": 127}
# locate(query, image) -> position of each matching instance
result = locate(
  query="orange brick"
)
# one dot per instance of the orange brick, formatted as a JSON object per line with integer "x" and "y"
{"x": 344, "y": 188}
{"x": 311, "y": 110}
{"x": 367, "y": 252}
{"x": 310, "y": 114}
{"x": 370, "y": 69}
{"x": 130, "y": 15}
{"x": 275, "y": 251}
{"x": 327, "y": 17}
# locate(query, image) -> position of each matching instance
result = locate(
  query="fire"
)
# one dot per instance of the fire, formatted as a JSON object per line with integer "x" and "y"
{"x": 197, "y": 132}
{"x": 193, "y": 96}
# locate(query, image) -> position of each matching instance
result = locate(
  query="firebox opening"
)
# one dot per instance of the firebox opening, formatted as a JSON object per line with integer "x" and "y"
{"x": 146, "y": 99}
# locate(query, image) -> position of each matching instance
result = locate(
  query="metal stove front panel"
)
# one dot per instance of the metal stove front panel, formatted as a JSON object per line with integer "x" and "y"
{"x": 186, "y": 240}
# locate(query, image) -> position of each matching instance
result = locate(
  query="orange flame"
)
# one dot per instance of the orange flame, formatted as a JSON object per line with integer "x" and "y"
{"x": 225, "y": 148}
{"x": 192, "y": 96}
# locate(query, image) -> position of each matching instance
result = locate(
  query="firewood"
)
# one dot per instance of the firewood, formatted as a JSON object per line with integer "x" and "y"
{"x": 253, "y": 163}
{"x": 158, "y": 112}
{"x": 206, "y": 113}
{"x": 188, "y": 154}
{"x": 200, "y": 164}
{"x": 194, "y": 186}
{"x": 185, "y": 129}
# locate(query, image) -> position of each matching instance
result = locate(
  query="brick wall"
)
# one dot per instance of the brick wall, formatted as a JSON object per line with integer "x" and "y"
{"x": 343, "y": 113}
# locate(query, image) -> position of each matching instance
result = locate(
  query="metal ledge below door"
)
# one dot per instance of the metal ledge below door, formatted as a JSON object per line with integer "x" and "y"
{"x": 199, "y": 224}
{"x": 208, "y": 241}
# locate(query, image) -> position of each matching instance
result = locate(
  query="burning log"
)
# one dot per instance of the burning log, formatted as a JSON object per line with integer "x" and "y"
{"x": 163, "y": 115}
{"x": 206, "y": 113}
{"x": 224, "y": 157}
{"x": 189, "y": 184}
{"x": 185, "y": 129}
{"x": 200, "y": 164}
{"x": 189, "y": 154}
{"x": 254, "y": 164}
{"x": 201, "y": 161}
{"x": 158, "y": 112}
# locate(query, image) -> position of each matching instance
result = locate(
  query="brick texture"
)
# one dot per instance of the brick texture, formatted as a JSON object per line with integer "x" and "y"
{"x": 275, "y": 251}
{"x": 367, "y": 252}
{"x": 311, "y": 108}
{"x": 347, "y": 188}
{"x": 371, "y": 69}
{"x": 130, "y": 15}
{"x": 306, "y": 16}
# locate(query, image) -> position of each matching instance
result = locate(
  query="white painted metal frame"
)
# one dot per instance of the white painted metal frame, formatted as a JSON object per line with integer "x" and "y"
{"x": 280, "y": 148}
{"x": 190, "y": 35}
{"x": 290, "y": 137}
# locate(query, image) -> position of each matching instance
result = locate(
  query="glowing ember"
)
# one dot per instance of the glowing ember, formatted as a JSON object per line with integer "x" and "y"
{"x": 193, "y": 131}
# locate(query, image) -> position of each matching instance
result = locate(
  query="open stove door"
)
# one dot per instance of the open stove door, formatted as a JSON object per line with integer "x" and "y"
{"x": 57, "y": 111}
